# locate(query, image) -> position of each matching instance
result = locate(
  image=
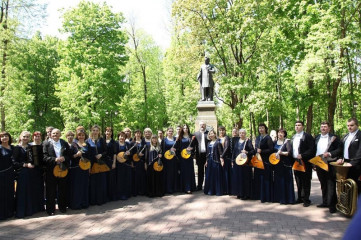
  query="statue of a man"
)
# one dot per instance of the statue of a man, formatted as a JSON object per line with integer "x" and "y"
{"x": 205, "y": 80}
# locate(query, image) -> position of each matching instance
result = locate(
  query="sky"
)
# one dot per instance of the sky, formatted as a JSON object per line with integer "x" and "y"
{"x": 153, "y": 16}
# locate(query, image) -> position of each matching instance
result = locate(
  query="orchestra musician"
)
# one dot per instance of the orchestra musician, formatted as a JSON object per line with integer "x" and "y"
{"x": 201, "y": 152}
{"x": 187, "y": 176}
{"x": 138, "y": 145}
{"x": 155, "y": 180}
{"x": 226, "y": 155}
{"x": 284, "y": 192}
{"x": 241, "y": 177}
{"x": 214, "y": 181}
{"x": 7, "y": 177}
{"x": 327, "y": 142}
{"x": 263, "y": 182}
{"x": 303, "y": 149}
{"x": 56, "y": 151}
{"x": 350, "y": 149}
{"x": 110, "y": 161}
{"x": 97, "y": 152}
{"x": 123, "y": 169}
{"x": 170, "y": 170}
{"x": 78, "y": 178}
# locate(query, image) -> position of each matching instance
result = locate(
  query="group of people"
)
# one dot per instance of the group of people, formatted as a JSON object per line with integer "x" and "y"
{"x": 91, "y": 170}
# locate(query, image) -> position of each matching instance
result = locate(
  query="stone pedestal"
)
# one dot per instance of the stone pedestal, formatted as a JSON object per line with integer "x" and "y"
{"x": 207, "y": 114}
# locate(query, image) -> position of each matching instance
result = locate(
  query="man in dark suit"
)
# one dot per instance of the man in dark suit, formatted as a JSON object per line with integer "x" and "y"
{"x": 56, "y": 151}
{"x": 201, "y": 152}
{"x": 303, "y": 149}
{"x": 350, "y": 149}
{"x": 325, "y": 143}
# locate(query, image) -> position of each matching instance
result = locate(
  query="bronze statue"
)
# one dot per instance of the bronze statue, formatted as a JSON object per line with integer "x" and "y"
{"x": 205, "y": 80}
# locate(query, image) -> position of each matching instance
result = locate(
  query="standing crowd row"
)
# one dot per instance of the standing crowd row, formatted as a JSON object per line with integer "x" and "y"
{"x": 83, "y": 171}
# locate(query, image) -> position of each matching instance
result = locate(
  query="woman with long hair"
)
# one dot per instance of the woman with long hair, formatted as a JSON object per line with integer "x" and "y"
{"x": 111, "y": 175}
{"x": 226, "y": 156}
{"x": 186, "y": 155}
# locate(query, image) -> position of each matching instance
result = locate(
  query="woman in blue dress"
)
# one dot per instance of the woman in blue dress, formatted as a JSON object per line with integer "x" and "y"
{"x": 137, "y": 154}
{"x": 214, "y": 182}
{"x": 242, "y": 174}
{"x": 123, "y": 169}
{"x": 263, "y": 178}
{"x": 226, "y": 155}
{"x": 7, "y": 177}
{"x": 110, "y": 161}
{"x": 284, "y": 192}
{"x": 153, "y": 155}
{"x": 79, "y": 178}
{"x": 30, "y": 188}
{"x": 187, "y": 144}
{"x": 170, "y": 171}
{"x": 97, "y": 148}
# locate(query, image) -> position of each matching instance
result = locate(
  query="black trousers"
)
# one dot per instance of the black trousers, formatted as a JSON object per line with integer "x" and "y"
{"x": 303, "y": 182}
{"x": 328, "y": 186}
{"x": 55, "y": 188}
{"x": 200, "y": 161}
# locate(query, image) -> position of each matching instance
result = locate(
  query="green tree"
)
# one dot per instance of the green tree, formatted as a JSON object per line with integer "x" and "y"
{"x": 90, "y": 82}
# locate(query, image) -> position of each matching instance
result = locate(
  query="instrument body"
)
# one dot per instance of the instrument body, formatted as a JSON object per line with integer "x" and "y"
{"x": 242, "y": 158}
{"x": 136, "y": 157}
{"x": 299, "y": 165}
{"x": 257, "y": 162}
{"x": 274, "y": 159}
{"x": 185, "y": 153}
{"x": 346, "y": 190}
{"x": 99, "y": 165}
{"x": 169, "y": 154}
{"x": 320, "y": 161}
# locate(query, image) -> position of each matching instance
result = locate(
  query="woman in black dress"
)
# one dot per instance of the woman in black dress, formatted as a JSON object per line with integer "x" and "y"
{"x": 7, "y": 177}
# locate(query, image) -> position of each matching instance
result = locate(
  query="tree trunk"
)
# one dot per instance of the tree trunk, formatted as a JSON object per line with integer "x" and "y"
{"x": 5, "y": 42}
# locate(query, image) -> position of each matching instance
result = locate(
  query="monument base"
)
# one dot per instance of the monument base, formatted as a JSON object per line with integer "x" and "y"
{"x": 207, "y": 114}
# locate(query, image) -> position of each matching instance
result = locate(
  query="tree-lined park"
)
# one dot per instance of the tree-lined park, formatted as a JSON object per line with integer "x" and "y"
{"x": 277, "y": 62}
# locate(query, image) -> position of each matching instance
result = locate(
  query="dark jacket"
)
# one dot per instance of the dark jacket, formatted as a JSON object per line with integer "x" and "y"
{"x": 332, "y": 148}
{"x": 307, "y": 146}
{"x": 50, "y": 156}
{"x": 354, "y": 149}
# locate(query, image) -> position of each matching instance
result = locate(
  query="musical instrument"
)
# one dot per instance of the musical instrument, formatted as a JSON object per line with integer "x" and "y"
{"x": 299, "y": 165}
{"x": 320, "y": 160}
{"x": 187, "y": 153}
{"x": 169, "y": 154}
{"x": 242, "y": 158}
{"x": 346, "y": 190}
{"x": 60, "y": 170}
{"x": 275, "y": 158}
{"x": 136, "y": 157}
{"x": 121, "y": 157}
{"x": 35, "y": 154}
{"x": 158, "y": 165}
{"x": 256, "y": 160}
{"x": 99, "y": 166}
{"x": 84, "y": 163}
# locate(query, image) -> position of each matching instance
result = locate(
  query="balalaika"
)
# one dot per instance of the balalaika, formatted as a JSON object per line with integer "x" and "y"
{"x": 346, "y": 190}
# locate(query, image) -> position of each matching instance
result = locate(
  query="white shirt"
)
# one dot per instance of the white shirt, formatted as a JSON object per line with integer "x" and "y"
{"x": 203, "y": 143}
{"x": 296, "y": 143}
{"x": 57, "y": 148}
{"x": 347, "y": 144}
{"x": 322, "y": 144}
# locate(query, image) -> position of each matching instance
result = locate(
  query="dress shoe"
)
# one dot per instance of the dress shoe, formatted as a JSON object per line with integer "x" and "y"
{"x": 50, "y": 213}
{"x": 332, "y": 210}
{"x": 199, "y": 188}
{"x": 322, "y": 205}
{"x": 306, "y": 204}
{"x": 298, "y": 201}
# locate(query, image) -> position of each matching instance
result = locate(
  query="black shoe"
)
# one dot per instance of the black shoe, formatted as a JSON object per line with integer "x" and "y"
{"x": 298, "y": 201}
{"x": 50, "y": 213}
{"x": 306, "y": 204}
{"x": 245, "y": 198}
{"x": 199, "y": 188}
{"x": 332, "y": 210}
{"x": 322, "y": 205}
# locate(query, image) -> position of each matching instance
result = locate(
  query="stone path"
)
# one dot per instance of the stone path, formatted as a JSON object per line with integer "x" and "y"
{"x": 194, "y": 216}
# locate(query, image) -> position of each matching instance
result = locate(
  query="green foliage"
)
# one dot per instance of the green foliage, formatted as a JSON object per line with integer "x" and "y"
{"x": 90, "y": 82}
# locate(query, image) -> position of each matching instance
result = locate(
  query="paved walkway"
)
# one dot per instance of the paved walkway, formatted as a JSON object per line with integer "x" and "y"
{"x": 193, "y": 216}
